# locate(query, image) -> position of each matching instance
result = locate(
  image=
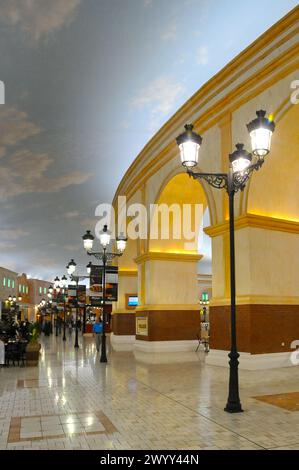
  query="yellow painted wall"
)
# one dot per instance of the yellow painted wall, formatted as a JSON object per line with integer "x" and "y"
{"x": 274, "y": 191}
{"x": 267, "y": 263}
{"x": 171, "y": 282}
{"x": 179, "y": 190}
{"x": 126, "y": 285}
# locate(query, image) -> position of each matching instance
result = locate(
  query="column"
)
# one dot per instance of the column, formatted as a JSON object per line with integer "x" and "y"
{"x": 168, "y": 319}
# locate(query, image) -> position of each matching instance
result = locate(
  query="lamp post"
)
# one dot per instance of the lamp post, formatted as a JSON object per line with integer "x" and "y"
{"x": 57, "y": 291}
{"x": 64, "y": 287}
{"x": 71, "y": 268}
{"x": 105, "y": 257}
{"x": 242, "y": 164}
{"x": 61, "y": 287}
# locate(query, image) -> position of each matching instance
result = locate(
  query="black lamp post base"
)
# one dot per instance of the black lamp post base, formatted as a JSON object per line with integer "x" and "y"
{"x": 64, "y": 338}
{"x": 233, "y": 408}
{"x": 76, "y": 346}
{"x": 103, "y": 349}
{"x": 233, "y": 404}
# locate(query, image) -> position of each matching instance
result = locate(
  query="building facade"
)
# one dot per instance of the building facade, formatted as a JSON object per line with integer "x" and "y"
{"x": 28, "y": 292}
{"x": 8, "y": 287}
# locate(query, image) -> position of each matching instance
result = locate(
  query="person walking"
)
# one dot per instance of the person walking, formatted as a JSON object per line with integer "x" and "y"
{"x": 97, "y": 330}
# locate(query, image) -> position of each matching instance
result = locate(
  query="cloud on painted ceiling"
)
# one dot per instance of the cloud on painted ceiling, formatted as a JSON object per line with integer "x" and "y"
{"x": 7, "y": 246}
{"x": 160, "y": 97}
{"x": 24, "y": 171}
{"x": 170, "y": 34}
{"x": 71, "y": 214}
{"x": 38, "y": 18}
{"x": 72, "y": 247}
{"x": 202, "y": 55}
{"x": 13, "y": 234}
{"x": 27, "y": 172}
{"x": 15, "y": 126}
{"x": 89, "y": 223}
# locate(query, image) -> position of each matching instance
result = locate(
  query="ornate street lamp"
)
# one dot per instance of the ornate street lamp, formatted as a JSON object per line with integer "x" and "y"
{"x": 75, "y": 279}
{"x": 189, "y": 144}
{"x": 51, "y": 291}
{"x": 242, "y": 164}
{"x": 260, "y": 131}
{"x": 71, "y": 267}
{"x": 88, "y": 239}
{"x": 104, "y": 256}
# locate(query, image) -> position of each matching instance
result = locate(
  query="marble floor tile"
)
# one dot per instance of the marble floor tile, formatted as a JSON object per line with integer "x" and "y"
{"x": 72, "y": 401}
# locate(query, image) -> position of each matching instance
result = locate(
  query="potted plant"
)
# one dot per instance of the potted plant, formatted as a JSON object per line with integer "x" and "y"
{"x": 33, "y": 347}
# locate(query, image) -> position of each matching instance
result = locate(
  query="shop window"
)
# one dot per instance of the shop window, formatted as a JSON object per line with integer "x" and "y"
{"x": 4, "y": 282}
{"x": 8, "y": 283}
{"x": 40, "y": 291}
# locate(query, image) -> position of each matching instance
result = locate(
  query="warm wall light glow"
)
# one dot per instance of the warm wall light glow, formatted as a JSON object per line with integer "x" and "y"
{"x": 273, "y": 215}
{"x": 162, "y": 251}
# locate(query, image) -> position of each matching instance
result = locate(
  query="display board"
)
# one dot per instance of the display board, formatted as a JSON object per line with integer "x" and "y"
{"x": 131, "y": 301}
{"x": 142, "y": 326}
{"x": 76, "y": 296}
{"x": 81, "y": 294}
{"x": 96, "y": 284}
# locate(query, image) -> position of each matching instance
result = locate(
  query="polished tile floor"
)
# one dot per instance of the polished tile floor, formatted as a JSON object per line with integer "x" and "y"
{"x": 72, "y": 401}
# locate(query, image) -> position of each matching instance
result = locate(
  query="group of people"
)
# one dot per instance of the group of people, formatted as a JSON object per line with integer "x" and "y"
{"x": 12, "y": 328}
{"x": 47, "y": 326}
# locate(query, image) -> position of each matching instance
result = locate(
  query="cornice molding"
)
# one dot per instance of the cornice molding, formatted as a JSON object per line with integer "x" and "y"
{"x": 256, "y": 300}
{"x": 128, "y": 272}
{"x": 256, "y": 221}
{"x": 123, "y": 311}
{"x": 161, "y": 256}
{"x": 167, "y": 307}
